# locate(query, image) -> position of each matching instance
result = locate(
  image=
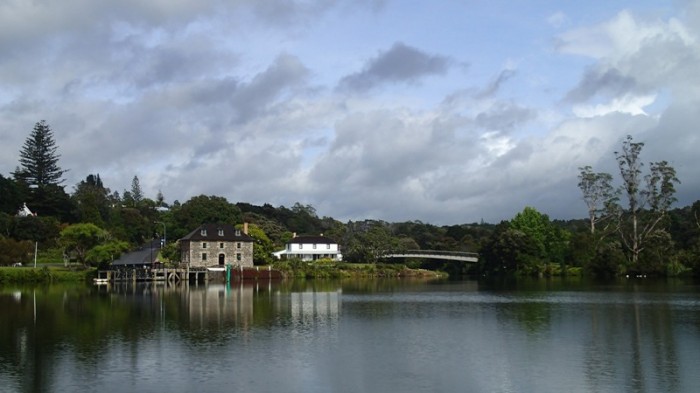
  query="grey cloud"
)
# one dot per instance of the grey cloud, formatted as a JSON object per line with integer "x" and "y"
{"x": 608, "y": 82}
{"x": 504, "y": 117}
{"x": 494, "y": 86}
{"x": 401, "y": 63}
{"x": 287, "y": 72}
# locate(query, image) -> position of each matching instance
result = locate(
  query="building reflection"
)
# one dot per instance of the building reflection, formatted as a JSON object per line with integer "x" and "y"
{"x": 219, "y": 304}
{"x": 240, "y": 305}
{"x": 311, "y": 305}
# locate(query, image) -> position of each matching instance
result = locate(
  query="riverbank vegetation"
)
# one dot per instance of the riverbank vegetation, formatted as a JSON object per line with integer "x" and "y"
{"x": 631, "y": 228}
{"x": 332, "y": 269}
{"x": 44, "y": 274}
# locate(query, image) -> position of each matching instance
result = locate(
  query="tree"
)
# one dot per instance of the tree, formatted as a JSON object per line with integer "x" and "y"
{"x": 204, "y": 209}
{"x": 39, "y": 159}
{"x": 508, "y": 250}
{"x": 41, "y": 176}
{"x": 263, "y": 247}
{"x": 160, "y": 199}
{"x": 637, "y": 223}
{"x": 91, "y": 200}
{"x": 81, "y": 238}
{"x": 536, "y": 225}
{"x": 136, "y": 192}
{"x": 11, "y": 198}
{"x": 103, "y": 254}
{"x": 599, "y": 194}
{"x": 367, "y": 241}
{"x": 15, "y": 251}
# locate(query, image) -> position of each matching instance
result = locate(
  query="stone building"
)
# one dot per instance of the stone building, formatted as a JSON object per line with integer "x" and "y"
{"x": 217, "y": 245}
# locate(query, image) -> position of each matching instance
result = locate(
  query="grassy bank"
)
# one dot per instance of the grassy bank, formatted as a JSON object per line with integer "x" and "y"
{"x": 331, "y": 269}
{"x": 44, "y": 274}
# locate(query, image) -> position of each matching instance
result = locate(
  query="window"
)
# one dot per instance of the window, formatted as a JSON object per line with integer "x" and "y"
{"x": 238, "y": 256}
{"x": 221, "y": 232}
{"x": 204, "y": 245}
{"x": 238, "y": 245}
{"x": 204, "y": 256}
{"x": 314, "y": 246}
{"x": 301, "y": 246}
{"x": 238, "y": 232}
{"x": 203, "y": 232}
{"x": 221, "y": 245}
{"x": 328, "y": 246}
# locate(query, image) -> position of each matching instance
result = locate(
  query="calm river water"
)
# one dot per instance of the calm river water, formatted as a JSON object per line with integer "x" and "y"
{"x": 353, "y": 336}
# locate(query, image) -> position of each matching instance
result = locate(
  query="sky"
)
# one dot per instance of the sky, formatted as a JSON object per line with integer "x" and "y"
{"x": 445, "y": 111}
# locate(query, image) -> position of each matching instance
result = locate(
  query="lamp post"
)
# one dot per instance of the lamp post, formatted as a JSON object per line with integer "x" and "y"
{"x": 165, "y": 236}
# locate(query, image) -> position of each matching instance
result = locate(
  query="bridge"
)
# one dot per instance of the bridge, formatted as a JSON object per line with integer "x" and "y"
{"x": 470, "y": 257}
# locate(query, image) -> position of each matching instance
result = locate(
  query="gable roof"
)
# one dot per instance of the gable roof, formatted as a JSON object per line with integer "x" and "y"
{"x": 212, "y": 233}
{"x": 311, "y": 240}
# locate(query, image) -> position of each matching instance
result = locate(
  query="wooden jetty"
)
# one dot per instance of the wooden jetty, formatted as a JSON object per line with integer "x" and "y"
{"x": 187, "y": 274}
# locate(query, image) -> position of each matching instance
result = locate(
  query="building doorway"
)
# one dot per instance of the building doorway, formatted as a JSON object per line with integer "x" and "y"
{"x": 221, "y": 259}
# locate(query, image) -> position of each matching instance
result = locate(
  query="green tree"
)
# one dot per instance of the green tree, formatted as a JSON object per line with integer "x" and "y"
{"x": 648, "y": 203}
{"x": 536, "y": 225}
{"x": 263, "y": 247}
{"x": 367, "y": 241}
{"x": 44, "y": 230}
{"x": 11, "y": 197}
{"x": 15, "y": 251}
{"x": 40, "y": 175}
{"x": 103, "y": 254}
{"x": 136, "y": 192}
{"x": 91, "y": 200}
{"x": 39, "y": 158}
{"x": 79, "y": 239}
{"x": 508, "y": 251}
{"x": 206, "y": 209}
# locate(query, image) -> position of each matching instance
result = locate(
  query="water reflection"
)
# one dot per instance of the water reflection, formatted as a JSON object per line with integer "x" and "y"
{"x": 348, "y": 336}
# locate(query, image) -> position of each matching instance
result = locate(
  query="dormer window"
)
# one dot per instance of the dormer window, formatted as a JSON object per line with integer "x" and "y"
{"x": 221, "y": 232}
{"x": 203, "y": 232}
{"x": 238, "y": 232}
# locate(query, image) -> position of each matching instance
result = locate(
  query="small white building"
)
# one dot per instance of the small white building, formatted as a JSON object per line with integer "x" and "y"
{"x": 24, "y": 211}
{"x": 310, "y": 248}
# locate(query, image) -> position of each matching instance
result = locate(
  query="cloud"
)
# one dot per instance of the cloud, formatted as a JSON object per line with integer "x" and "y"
{"x": 606, "y": 82}
{"x": 630, "y": 104}
{"x": 400, "y": 64}
{"x": 255, "y": 101}
{"x": 558, "y": 19}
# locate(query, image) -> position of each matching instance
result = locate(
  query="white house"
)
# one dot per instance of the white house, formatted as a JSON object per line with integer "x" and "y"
{"x": 310, "y": 248}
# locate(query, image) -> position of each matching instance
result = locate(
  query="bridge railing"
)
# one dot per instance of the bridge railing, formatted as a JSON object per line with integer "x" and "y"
{"x": 432, "y": 252}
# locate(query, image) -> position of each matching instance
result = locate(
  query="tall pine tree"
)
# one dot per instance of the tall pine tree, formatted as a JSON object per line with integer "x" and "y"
{"x": 38, "y": 158}
{"x": 40, "y": 174}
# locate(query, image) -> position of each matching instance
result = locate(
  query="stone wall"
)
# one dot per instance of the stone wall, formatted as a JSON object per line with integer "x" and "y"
{"x": 235, "y": 253}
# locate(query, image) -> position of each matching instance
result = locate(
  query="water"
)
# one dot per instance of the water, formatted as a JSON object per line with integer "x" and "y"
{"x": 353, "y": 336}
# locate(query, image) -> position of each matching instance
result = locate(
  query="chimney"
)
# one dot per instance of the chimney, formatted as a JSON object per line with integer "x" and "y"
{"x": 245, "y": 228}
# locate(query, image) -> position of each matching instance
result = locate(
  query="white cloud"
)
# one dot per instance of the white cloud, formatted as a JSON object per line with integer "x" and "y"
{"x": 629, "y": 104}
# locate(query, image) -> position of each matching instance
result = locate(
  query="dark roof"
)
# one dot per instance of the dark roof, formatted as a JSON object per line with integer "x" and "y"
{"x": 229, "y": 233}
{"x": 311, "y": 240}
{"x": 144, "y": 255}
